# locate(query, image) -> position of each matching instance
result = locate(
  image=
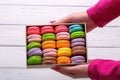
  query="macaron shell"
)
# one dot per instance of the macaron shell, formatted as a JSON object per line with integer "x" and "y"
{"x": 77, "y": 34}
{"x": 48, "y": 36}
{"x": 49, "y": 60}
{"x": 78, "y": 44}
{"x": 50, "y": 54}
{"x": 78, "y": 48}
{"x": 34, "y": 40}
{"x": 34, "y": 60}
{"x": 63, "y": 60}
{"x": 61, "y": 28}
{"x": 63, "y": 43}
{"x": 78, "y": 40}
{"x": 74, "y": 26}
{"x": 34, "y": 51}
{"x": 77, "y": 59}
{"x": 33, "y": 45}
{"x": 33, "y": 30}
{"x": 48, "y": 44}
{"x": 63, "y": 37}
{"x": 33, "y": 36}
{"x": 49, "y": 50}
{"x": 79, "y": 52}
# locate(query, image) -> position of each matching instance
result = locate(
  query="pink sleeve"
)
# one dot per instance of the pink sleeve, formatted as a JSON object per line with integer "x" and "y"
{"x": 100, "y": 69}
{"x": 104, "y": 11}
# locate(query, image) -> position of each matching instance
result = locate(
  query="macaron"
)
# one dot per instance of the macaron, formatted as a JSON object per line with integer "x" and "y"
{"x": 33, "y": 45}
{"x": 79, "y": 50}
{"x": 49, "y": 60}
{"x": 48, "y": 44}
{"x": 63, "y": 60}
{"x": 63, "y": 36}
{"x": 49, "y": 52}
{"x": 64, "y": 52}
{"x": 34, "y": 60}
{"x": 78, "y": 42}
{"x": 34, "y": 38}
{"x": 75, "y": 27}
{"x": 63, "y": 43}
{"x": 61, "y": 28}
{"x": 33, "y": 30}
{"x": 48, "y": 36}
{"x": 77, "y": 34}
{"x": 34, "y": 51}
{"x": 47, "y": 29}
{"x": 77, "y": 59}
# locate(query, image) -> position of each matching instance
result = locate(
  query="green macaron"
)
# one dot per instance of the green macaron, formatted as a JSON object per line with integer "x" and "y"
{"x": 48, "y": 36}
{"x": 33, "y": 45}
{"x": 34, "y": 60}
{"x": 77, "y": 34}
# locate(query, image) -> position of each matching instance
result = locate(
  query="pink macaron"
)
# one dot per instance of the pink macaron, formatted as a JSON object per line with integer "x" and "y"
{"x": 47, "y": 29}
{"x": 34, "y": 38}
{"x": 49, "y": 52}
{"x": 63, "y": 36}
{"x": 61, "y": 28}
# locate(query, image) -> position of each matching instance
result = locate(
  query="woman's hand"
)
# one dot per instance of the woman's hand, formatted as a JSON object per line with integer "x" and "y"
{"x": 78, "y": 71}
{"x": 76, "y": 18}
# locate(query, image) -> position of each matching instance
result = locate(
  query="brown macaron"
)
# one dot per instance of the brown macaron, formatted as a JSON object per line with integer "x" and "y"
{"x": 78, "y": 50}
{"x": 49, "y": 60}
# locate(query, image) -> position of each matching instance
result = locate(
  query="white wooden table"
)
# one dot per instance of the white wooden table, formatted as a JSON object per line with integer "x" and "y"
{"x": 15, "y": 14}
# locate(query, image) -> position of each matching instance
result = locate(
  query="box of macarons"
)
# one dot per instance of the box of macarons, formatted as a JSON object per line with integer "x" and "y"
{"x": 61, "y": 44}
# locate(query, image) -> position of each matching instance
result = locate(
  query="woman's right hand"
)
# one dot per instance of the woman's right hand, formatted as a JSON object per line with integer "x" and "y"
{"x": 76, "y": 18}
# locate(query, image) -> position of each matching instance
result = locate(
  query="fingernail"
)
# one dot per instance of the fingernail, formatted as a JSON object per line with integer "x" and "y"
{"x": 52, "y": 21}
{"x": 56, "y": 68}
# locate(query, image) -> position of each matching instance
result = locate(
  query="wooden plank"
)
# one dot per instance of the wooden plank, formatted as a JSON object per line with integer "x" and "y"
{"x": 30, "y": 74}
{"x": 38, "y": 14}
{"x": 50, "y": 2}
{"x": 104, "y": 37}
{"x": 15, "y": 57}
{"x": 14, "y": 35}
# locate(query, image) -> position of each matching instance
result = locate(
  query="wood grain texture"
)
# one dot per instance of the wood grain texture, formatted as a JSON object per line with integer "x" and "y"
{"x": 50, "y": 2}
{"x": 15, "y": 57}
{"x": 15, "y": 35}
{"x": 103, "y": 43}
{"x": 37, "y": 14}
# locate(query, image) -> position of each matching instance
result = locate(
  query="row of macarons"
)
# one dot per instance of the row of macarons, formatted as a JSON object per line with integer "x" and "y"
{"x": 58, "y": 36}
{"x": 53, "y": 56}
{"x": 56, "y": 29}
{"x": 65, "y": 51}
{"x": 57, "y": 44}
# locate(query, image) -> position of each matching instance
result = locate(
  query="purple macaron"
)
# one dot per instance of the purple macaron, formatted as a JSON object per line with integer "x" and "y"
{"x": 34, "y": 51}
{"x": 78, "y": 42}
{"x": 77, "y": 59}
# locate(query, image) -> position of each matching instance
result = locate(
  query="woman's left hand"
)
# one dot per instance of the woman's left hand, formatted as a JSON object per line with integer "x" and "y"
{"x": 78, "y": 71}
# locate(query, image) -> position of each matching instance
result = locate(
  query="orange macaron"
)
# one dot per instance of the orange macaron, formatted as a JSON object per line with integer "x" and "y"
{"x": 63, "y": 60}
{"x": 48, "y": 44}
{"x": 63, "y": 43}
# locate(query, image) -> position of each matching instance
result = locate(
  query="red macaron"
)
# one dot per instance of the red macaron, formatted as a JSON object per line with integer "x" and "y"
{"x": 61, "y": 28}
{"x": 47, "y": 29}
{"x": 33, "y": 30}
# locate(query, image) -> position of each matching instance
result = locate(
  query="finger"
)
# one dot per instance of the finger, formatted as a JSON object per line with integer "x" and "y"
{"x": 63, "y": 20}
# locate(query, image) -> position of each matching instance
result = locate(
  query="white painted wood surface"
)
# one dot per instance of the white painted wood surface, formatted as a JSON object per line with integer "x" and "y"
{"x": 15, "y": 14}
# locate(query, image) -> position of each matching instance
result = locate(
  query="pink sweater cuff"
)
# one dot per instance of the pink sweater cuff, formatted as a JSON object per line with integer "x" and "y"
{"x": 104, "y": 11}
{"x": 100, "y": 69}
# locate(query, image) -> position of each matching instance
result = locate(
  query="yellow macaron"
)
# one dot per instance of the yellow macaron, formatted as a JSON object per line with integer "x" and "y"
{"x": 64, "y": 52}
